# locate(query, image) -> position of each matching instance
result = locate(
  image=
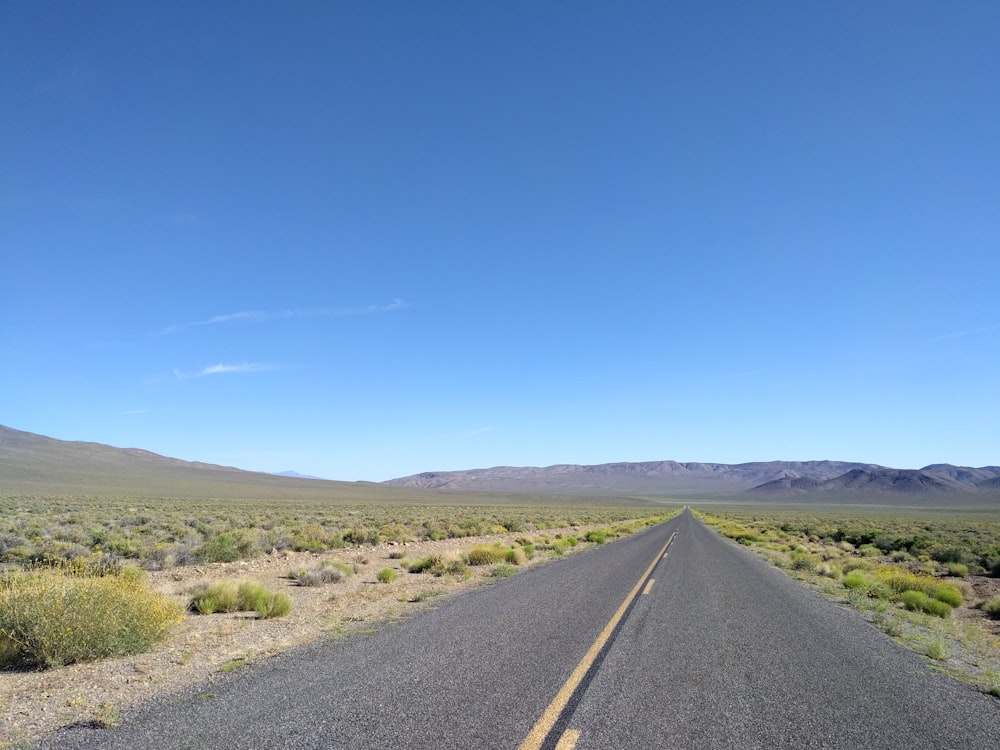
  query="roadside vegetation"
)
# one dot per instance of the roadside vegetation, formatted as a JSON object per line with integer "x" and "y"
{"x": 161, "y": 534}
{"x": 929, "y": 580}
{"x": 57, "y": 615}
{"x": 72, "y": 571}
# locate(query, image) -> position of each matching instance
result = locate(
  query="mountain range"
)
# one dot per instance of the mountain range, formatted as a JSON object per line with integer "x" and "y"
{"x": 35, "y": 464}
{"x": 817, "y": 480}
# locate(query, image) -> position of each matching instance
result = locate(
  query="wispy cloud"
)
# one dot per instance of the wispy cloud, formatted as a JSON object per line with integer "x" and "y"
{"x": 969, "y": 332}
{"x": 248, "y": 316}
{"x": 260, "y": 316}
{"x": 226, "y": 369}
{"x": 396, "y": 304}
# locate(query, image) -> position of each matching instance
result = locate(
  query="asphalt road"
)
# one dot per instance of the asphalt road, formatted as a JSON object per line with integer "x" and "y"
{"x": 673, "y": 638}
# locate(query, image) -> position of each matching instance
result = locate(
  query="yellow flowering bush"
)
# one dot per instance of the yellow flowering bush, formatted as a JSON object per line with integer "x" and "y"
{"x": 51, "y": 616}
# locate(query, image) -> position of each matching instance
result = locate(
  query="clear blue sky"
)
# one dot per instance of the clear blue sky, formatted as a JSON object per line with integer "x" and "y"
{"x": 362, "y": 240}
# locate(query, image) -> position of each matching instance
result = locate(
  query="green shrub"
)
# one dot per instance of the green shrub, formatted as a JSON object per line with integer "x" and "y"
{"x": 386, "y": 575}
{"x": 50, "y": 617}
{"x": 957, "y": 569}
{"x": 425, "y": 564}
{"x": 225, "y": 547}
{"x": 217, "y": 597}
{"x": 937, "y": 650}
{"x": 804, "y": 562}
{"x": 992, "y": 608}
{"x": 275, "y": 604}
{"x": 503, "y": 570}
{"x": 229, "y": 596}
{"x": 918, "y": 601}
{"x": 486, "y": 554}
{"x": 516, "y": 556}
{"x": 597, "y": 536}
{"x": 947, "y": 594}
{"x": 855, "y": 580}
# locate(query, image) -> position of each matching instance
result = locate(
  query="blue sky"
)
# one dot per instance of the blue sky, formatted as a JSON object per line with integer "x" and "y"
{"x": 362, "y": 240}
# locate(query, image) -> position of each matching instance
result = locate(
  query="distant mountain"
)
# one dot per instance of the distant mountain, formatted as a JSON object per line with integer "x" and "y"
{"x": 650, "y": 477}
{"x": 898, "y": 481}
{"x": 33, "y": 464}
{"x": 818, "y": 480}
{"x": 295, "y": 474}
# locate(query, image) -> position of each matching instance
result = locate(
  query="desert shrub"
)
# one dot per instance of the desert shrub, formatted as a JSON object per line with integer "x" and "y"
{"x": 957, "y": 569}
{"x": 362, "y": 537}
{"x": 386, "y": 575}
{"x": 947, "y": 594}
{"x": 869, "y": 550}
{"x": 229, "y": 596}
{"x": 952, "y": 555}
{"x": 310, "y": 537}
{"x": 328, "y": 571}
{"x": 529, "y": 550}
{"x": 828, "y": 571}
{"x": 855, "y": 580}
{"x": 486, "y": 554}
{"x": 10, "y": 540}
{"x": 992, "y": 565}
{"x": 804, "y": 562}
{"x": 229, "y": 546}
{"x": 503, "y": 570}
{"x": 992, "y": 608}
{"x": 918, "y": 601}
{"x": 53, "y": 616}
{"x": 223, "y": 596}
{"x": 515, "y": 556}
{"x": 439, "y": 565}
{"x": 267, "y": 604}
{"x": 597, "y": 536}
{"x": 423, "y": 565}
{"x": 937, "y": 650}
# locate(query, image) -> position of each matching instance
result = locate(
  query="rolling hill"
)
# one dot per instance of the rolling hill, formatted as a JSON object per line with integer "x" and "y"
{"x": 37, "y": 465}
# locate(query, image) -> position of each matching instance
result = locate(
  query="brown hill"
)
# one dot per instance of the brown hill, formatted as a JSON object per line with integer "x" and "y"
{"x": 33, "y": 464}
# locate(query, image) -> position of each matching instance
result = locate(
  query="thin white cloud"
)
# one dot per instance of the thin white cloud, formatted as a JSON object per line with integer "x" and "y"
{"x": 222, "y": 369}
{"x": 252, "y": 316}
{"x": 259, "y": 316}
{"x": 963, "y": 334}
{"x": 396, "y": 304}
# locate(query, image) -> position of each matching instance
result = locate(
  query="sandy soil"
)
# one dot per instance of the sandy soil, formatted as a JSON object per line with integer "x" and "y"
{"x": 33, "y": 704}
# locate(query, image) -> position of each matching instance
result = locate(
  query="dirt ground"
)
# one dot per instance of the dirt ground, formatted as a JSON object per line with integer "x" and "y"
{"x": 33, "y": 704}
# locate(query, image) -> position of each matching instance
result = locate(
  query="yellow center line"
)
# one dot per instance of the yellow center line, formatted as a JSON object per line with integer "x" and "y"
{"x": 548, "y": 718}
{"x": 649, "y": 585}
{"x": 568, "y": 740}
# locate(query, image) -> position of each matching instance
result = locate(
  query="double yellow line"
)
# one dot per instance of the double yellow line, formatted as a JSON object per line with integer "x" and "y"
{"x": 551, "y": 714}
